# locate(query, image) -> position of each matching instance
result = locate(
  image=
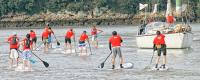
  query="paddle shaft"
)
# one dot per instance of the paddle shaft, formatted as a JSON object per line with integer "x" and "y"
{"x": 107, "y": 57}
{"x": 152, "y": 57}
{"x": 74, "y": 43}
{"x": 89, "y": 47}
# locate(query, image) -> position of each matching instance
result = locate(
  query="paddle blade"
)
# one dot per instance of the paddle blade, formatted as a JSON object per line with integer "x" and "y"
{"x": 58, "y": 43}
{"x": 45, "y": 64}
{"x": 102, "y": 65}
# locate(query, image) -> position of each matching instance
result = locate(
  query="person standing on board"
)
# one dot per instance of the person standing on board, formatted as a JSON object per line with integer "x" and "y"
{"x": 82, "y": 44}
{"x": 94, "y": 33}
{"x": 45, "y": 36}
{"x": 68, "y": 37}
{"x": 50, "y": 37}
{"x": 14, "y": 46}
{"x": 114, "y": 45}
{"x": 27, "y": 54}
{"x": 170, "y": 20}
{"x": 33, "y": 38}
{"x": 160, "y": 46}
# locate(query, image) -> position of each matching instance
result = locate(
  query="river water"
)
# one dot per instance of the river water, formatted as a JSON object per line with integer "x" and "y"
{"x": 183, "y": 63}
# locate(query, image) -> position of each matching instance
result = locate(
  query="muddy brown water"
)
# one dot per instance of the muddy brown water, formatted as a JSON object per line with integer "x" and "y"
{"x": 183, "y": 63}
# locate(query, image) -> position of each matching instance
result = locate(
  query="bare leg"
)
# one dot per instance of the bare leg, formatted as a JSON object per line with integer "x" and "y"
{"x": 157, "y": 61}
{"x": 29, "y": 65}
{"x": 121, "y": 60}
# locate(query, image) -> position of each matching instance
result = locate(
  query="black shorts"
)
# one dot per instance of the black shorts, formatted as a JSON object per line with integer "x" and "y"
{"x": 34, "y": 39}
{"x": 162, "y": 49}
{"x": 68, "y": 40}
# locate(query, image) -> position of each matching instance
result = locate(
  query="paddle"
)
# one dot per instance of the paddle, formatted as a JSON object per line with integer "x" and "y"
{"x": 37, "y": 48}
{"x": 102, "y": 64}
{"x": 44, "y": 62}
{"x": 89, "y": 47}
{"x": 150, "y": 61}
{"x": 58, "y": 43}
{"x": 74, "y": 43}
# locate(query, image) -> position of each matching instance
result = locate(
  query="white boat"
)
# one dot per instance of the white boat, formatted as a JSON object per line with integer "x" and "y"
{"x": 173, "y": 38}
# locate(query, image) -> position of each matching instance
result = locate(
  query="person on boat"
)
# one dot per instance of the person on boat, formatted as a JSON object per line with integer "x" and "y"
{"x": 33, "y": 38}
{"x": 50, "y": 37}
{"x": 68, "y": 37}
{"x": 45, "y": 36}
{"x": 94, "y": 33}
{"x": 14, "y": 46}
{"x": 27, "y": 53}
{"x": 170, "y": 20}
{"x": 82, "y": 44}
{"x": 160, "y": 46}
{"x": 142, "y": 28}
{"x": 114, "y": 45}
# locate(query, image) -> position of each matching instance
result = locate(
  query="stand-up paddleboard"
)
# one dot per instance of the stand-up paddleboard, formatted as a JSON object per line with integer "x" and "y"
{"x": 125, "y": 66}
{"x": 160, "y": 68}
{"x": 128, "y": 65}
{"x": 68, "y": 51}
{"x": 20, "y": 68}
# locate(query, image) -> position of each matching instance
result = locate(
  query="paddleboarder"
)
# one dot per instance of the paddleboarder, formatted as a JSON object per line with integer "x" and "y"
{"x": 50, "y": 37}
{"x": 33, "y": 38}
{"x": 82, "y": 44}
{"x": 160, "y": 46}
{"x": 114, "y": 45}
{"x": 14, "y": 45}
{"x": 94, "y": 33}
{"x": 68, "y": 37}
{"x": 45, "y": 36}
{"x": 27, "y": 54}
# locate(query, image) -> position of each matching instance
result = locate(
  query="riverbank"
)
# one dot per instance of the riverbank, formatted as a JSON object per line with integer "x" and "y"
{"x": 80, "y": 19}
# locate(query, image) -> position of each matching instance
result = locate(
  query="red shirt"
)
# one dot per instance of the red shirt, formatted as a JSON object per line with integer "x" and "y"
{"x": 94, "y": 31}
{"x": 13, "y": 46}
{"x": 115, "y": 40}
{"x": 45, "y": 34}
{"x": 50, "y": 32}
{"x": 32, "y": 35}
{"x": 83, "y": 37}
{"x": 24, "y": 44}
{"x": 159, "y": 39}
{"x": 69, "y": 34}
{"x": 170, "y": 19}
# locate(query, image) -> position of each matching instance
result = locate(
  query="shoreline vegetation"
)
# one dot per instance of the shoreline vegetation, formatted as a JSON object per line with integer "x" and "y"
{"x": 37, "y": 13}
{"x": 79, "y": 19}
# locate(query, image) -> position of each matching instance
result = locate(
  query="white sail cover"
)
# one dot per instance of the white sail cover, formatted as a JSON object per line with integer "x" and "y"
{"x": 155, "y": 8}
{"x": 169, "y": 10}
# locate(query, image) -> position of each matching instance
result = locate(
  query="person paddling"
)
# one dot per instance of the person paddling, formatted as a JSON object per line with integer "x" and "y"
{"x": 27, "y": 54}
{"x": 33, "y": 37}
{"x": 45, "y": 36}
{"x": 94, "y": 33}
{"x": 82, "y": 44}
{"x": 114, "y": 45}
{"x": 160, "y": 46}
{"x": 14, "y": 45}
{"x": 50, "y": 37}
{"x": 68, "y": 37}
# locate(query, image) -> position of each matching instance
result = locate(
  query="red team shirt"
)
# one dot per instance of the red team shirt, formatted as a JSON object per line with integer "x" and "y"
{"x": 45, "y": 34}
{"x": 83, "y": 37}
{"x": 170, "y": 19}
{"x": 32, "y": 35}
{"x": 13, "y": 46}
{"x": 94, "y": 31}
{"x": 115, "y": 41}
{"x": 159, "y": 39}
{"x": 69, "y": 34}
{"x": 24, "y": 42}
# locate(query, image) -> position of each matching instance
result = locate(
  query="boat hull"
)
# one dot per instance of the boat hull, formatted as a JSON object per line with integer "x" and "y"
{"x": 174, "y": 40}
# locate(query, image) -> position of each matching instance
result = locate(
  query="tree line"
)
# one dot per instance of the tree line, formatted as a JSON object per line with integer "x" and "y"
{"x": 31, "y": 7}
